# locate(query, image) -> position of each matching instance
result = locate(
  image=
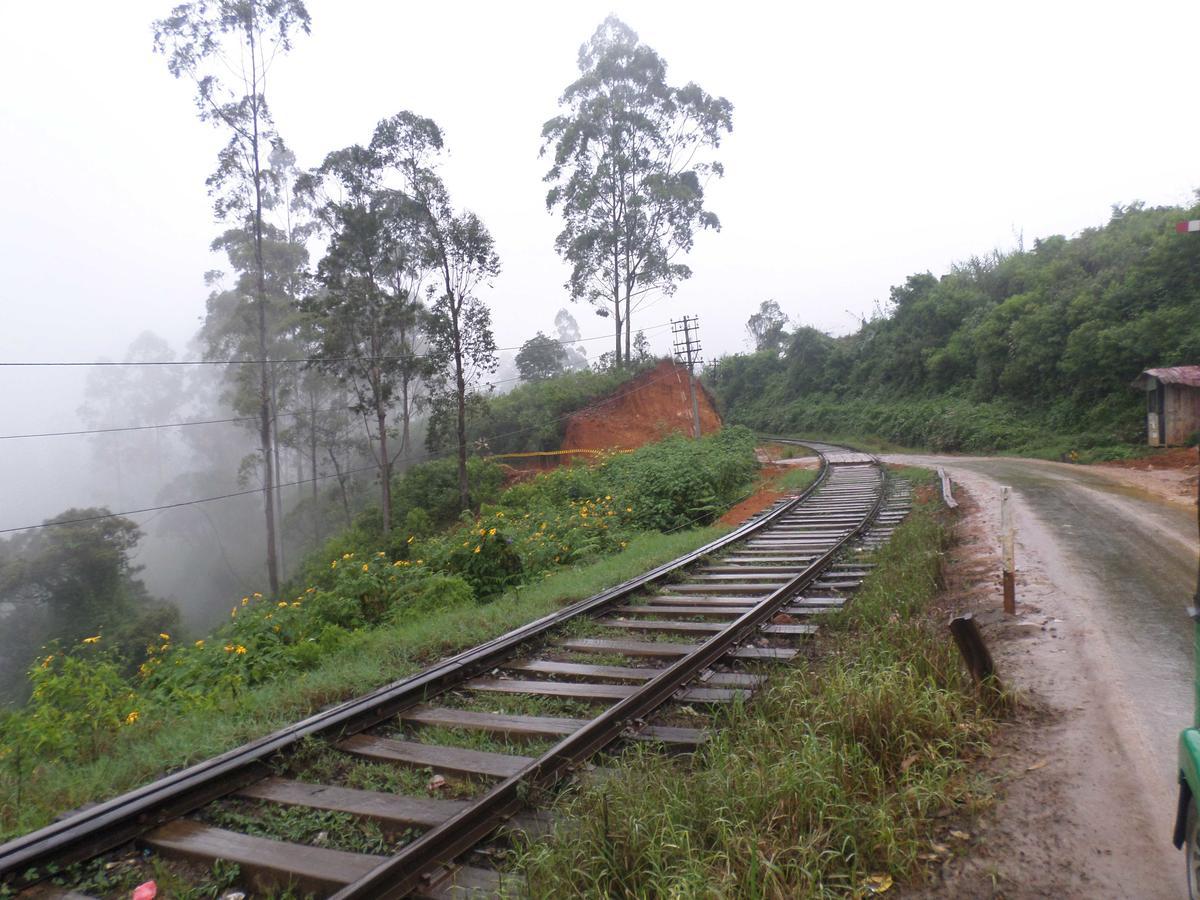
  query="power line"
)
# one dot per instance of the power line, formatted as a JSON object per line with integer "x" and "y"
{"x": 286, "y": 360}
{"x": 44, "y": 434}
{"x": 370, "y": 468}
{"x": 181, "y": 503}
{"x": 125, "y": 428}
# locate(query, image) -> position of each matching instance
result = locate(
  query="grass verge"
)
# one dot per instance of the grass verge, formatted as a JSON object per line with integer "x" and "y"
{"x": 830, "y": 778}
{"x": 367, "y": 660}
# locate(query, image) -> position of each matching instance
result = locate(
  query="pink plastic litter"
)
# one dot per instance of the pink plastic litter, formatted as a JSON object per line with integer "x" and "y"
{"x": 147, "y": 890}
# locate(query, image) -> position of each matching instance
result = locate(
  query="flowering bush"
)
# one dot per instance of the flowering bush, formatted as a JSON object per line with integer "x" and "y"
{"x": 81, "y": 698}
{"x": 79, "y": 701}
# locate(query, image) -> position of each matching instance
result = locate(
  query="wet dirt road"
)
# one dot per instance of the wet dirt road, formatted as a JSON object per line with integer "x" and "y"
{"x": 1112, "y": 567}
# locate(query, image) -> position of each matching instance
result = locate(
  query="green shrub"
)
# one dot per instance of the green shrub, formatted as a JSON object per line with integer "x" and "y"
{"x": 486, "y": 561}
{"x": 534, "y": 416}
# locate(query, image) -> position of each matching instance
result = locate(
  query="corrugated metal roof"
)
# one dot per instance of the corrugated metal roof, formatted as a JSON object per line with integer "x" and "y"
{"x": 1189, "y": 375}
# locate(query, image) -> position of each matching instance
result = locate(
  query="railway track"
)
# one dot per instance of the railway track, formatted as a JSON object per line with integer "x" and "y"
{"x": 696, "y": 633}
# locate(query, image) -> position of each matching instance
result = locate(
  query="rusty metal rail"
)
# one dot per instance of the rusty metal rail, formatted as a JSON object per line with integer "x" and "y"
{"x": 778, "y": 554}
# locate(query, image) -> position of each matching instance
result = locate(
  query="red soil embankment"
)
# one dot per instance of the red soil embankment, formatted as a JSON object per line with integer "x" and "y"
{"x": 643, "y": 410}
{"x": 764, "y": 495}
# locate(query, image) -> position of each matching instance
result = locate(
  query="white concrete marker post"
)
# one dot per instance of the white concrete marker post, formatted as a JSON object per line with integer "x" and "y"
{"x": 1008, "y": 552}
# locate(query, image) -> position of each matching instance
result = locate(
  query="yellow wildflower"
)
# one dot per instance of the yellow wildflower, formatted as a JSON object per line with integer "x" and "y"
{"x": 281, "y": 604}
{"x": 257, "y": 595}
{"x": 310, "y": 590}
{"x": 411, "y": 538}
{"x": 420, "y": 561}
{"x": 46, "y": 662}
{"x": 366, "y": 567}
{"x": 131, "y": 718}
{"x": 629, "y": 509}
{"x": 276, "y": 627}
{"x": 333, "y": 565}
{"x": 491, "y": 531}
{"x": 608, "y": 496}
{"x": 482, "y": 532}
{"x": 347, "y": 556}
{"x": 240, "y": 651}
{"x": 477, "y": 548}
{"x": 229, "y": 648}
{"x": 164, "y": 635}
{"x": 200, "y": 645}
{"x": 92, "y": 640}
{"x": 294, "y": 605}
{"x": 245, "y": 600}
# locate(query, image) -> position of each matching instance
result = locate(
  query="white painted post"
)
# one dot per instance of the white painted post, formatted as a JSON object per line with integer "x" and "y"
{"x": 1008, "y": 552}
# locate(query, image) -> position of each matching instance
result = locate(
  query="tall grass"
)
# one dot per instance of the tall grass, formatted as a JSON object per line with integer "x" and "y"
{"x": 831, "y": 775}
{"x": 368, "y": 660}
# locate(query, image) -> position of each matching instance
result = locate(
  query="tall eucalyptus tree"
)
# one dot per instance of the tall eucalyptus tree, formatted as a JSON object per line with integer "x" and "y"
{"x": 226, "y": 48}
{"x": 629, "y": 171}
{"x": 459, "y": 250}
{"x": 367, "y": 318}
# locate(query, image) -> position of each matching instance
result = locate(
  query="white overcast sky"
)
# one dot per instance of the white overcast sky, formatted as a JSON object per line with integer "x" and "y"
{"x": 871, "y": 140}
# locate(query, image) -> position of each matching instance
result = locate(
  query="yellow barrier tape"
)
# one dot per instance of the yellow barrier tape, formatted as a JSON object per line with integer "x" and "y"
{"x": 537, "y": 453}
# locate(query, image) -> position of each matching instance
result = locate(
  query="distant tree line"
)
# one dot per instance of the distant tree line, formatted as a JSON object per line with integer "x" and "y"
{"x": 1028, "y": 345}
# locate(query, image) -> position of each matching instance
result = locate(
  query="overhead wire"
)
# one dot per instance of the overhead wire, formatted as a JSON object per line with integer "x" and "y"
{"x": 370, "y": 468}
{"x": 286, "y": 360}
{"x": 235, "y": 419}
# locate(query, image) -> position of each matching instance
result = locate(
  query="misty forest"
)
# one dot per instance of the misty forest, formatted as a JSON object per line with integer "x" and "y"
{"x": 343, "y": 477}
{"x": 345, "y": 381}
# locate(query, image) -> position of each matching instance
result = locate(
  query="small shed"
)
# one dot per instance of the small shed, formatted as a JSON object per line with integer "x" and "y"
{"x": 1172, "y": 404}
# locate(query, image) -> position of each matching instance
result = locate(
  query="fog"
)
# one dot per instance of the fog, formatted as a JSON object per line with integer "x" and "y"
{"x": 869, "y": 142}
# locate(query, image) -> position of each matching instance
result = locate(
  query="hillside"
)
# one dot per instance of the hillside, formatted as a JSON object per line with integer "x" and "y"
{"x": 1032, "y": 350}
{"x": 647, "y": 408}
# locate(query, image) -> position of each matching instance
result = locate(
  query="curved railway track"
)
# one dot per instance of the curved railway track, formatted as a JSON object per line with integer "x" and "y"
{"x": 699, "y": 631}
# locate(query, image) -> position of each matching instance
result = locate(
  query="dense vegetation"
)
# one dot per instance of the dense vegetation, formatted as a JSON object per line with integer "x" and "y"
{"x": 534, "y": 416}
{"x": 834, "y": 773}
{"x": 86, "y": 702}
{"x": 1032, "y": 350}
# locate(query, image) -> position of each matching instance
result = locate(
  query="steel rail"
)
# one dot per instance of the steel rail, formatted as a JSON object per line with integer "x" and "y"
{"x": 407, "y": 870}
{"x": 114, "y": 822}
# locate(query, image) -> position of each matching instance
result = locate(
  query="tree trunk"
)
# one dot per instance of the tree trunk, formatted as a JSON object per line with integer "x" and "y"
{"x": 617, "y": 307}
{"x": 460, "y": 389}
{"x": 337, "y": 467}
{"x": 385, "y": 469}
{"x": 628, "y": 329}
{"x": 278, "y": 467}
{"x": 312, "y": 459}
{"x": 264, "y": 387}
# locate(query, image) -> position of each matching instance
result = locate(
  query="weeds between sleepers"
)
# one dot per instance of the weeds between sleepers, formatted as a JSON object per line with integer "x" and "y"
{"x": 833, "y": 773}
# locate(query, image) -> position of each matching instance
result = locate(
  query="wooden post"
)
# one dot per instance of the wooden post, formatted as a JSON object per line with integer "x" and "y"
{"x": 1007, "y": 541}
{"x": 975, "y": 652}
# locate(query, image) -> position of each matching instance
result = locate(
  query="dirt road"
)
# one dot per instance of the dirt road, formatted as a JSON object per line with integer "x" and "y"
{"x": 1102, "y": 648}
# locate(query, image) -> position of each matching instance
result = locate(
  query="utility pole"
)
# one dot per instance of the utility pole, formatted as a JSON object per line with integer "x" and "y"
{"x": 687, "y": 350}
{"x": 1193, "y": 226}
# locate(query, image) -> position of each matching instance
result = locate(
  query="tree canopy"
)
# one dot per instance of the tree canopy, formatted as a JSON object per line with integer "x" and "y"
{"x": 540, "y": 358}
{"x": 1050, "y": 336}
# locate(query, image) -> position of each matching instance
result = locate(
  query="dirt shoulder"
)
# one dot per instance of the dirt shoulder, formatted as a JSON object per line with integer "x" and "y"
{"x": 1170, "y": 474}
{"x": 1081, "y": 808}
